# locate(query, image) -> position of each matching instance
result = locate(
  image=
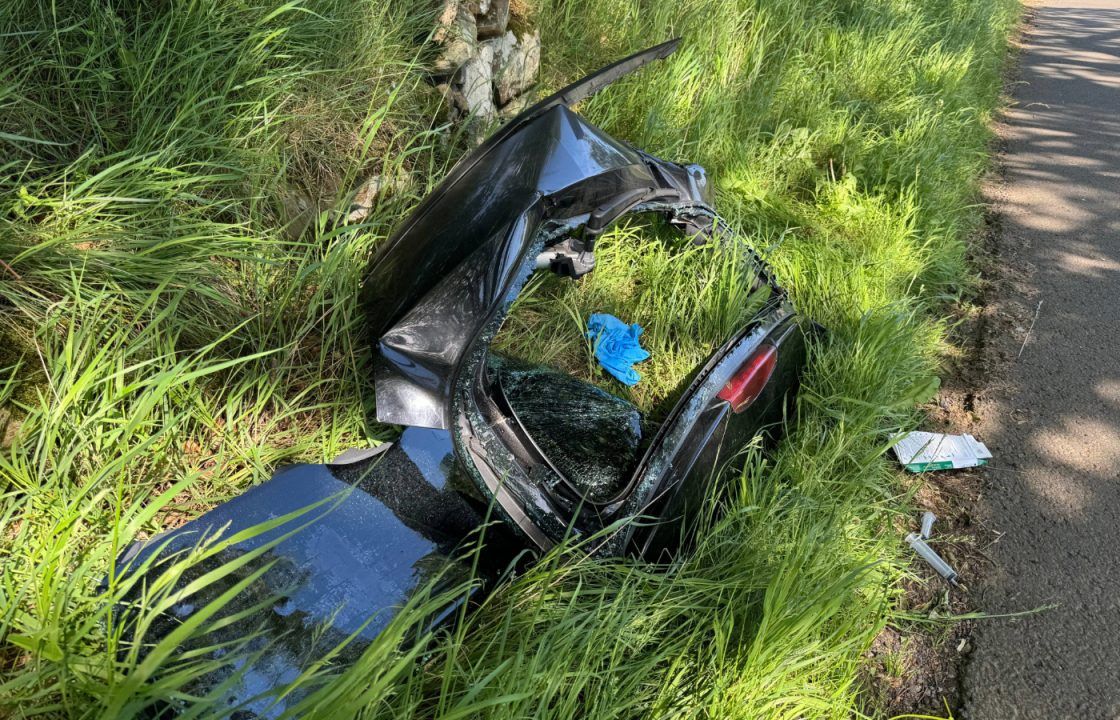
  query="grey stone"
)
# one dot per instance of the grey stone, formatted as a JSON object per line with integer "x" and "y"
{"x": 457, "y": 34}
{"x": 375, "y": 187}
{"x": 514, "y": 107}
{"x": 493, "y": 21}
{"x": 455, "y": 101}
{"x": 503, "y": 47}
{"x": 474, "y": 81}
{"x": 518, "y": 71}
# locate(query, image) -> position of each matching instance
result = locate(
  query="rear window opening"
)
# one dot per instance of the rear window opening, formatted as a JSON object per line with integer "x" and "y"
{"x": 689, "y": 299}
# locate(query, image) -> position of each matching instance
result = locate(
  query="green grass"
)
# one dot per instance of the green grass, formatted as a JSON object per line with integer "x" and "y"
{"x": 689, "y": 300}
{"x": 167, "y": 343}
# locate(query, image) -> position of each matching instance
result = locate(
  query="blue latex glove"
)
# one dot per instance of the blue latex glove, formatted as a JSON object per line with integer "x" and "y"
{"x": 616, "y": 346}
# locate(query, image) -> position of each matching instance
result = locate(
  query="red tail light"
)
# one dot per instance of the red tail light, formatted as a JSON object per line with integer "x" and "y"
{"x": 750, "y": 379}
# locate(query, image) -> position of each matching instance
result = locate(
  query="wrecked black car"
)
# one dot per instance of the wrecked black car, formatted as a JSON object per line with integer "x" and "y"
{"x": 529, "y": 452}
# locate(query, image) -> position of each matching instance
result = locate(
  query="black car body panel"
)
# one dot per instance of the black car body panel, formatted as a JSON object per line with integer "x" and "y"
{"x": 486, "y": 434}
{"x": 346, "y": 545}
{"x": 459, "y": 264}
{"x": 402, "y": 272}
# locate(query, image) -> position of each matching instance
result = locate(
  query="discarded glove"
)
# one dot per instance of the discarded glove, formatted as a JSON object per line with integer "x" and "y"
{"x": 616, "y": 346}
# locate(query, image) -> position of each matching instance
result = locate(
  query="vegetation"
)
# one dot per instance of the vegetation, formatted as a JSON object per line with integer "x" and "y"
{"x": 179, "y": 317}
{"x": 689, "y": 300}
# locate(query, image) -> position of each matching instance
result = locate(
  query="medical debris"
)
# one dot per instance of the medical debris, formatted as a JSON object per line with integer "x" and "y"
{"x": 924, "y": 451}
{"x": 917, "y": 542}
{"x": 616, "y": 346}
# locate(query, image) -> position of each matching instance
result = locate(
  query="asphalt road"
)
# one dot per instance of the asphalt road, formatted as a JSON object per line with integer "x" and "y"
{"x": 1054, "y": 425}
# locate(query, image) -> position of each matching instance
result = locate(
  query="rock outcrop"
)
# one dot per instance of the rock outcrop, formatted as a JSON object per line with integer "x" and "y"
{"x": 485, "y": 72}
{"x": 483, "y": 67}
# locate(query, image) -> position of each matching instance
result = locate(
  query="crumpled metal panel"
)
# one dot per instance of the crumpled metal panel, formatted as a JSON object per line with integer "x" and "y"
{"x": 419, "y": 355}
{"x": 441, "y": 287}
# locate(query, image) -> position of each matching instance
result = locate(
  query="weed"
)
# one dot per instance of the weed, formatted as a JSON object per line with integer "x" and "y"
{"x": 174, "y": 329}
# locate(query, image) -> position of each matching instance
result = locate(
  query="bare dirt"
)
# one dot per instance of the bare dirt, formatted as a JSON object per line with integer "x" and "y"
{"x": 1044, "y": 393}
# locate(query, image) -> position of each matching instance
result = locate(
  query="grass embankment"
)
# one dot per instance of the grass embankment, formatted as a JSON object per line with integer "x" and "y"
{"x": 166, "y": 343}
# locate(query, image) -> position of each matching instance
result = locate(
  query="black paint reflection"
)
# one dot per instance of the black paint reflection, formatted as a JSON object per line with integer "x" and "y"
{"x": 388, "y": 527}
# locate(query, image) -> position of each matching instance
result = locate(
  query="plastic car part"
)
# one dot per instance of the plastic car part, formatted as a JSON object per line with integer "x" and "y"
{"x": 750, "y": 380}
{"x": 484, "y": 436}
{"x": 350, "y": 545}
{"x": 465, "y": 264}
